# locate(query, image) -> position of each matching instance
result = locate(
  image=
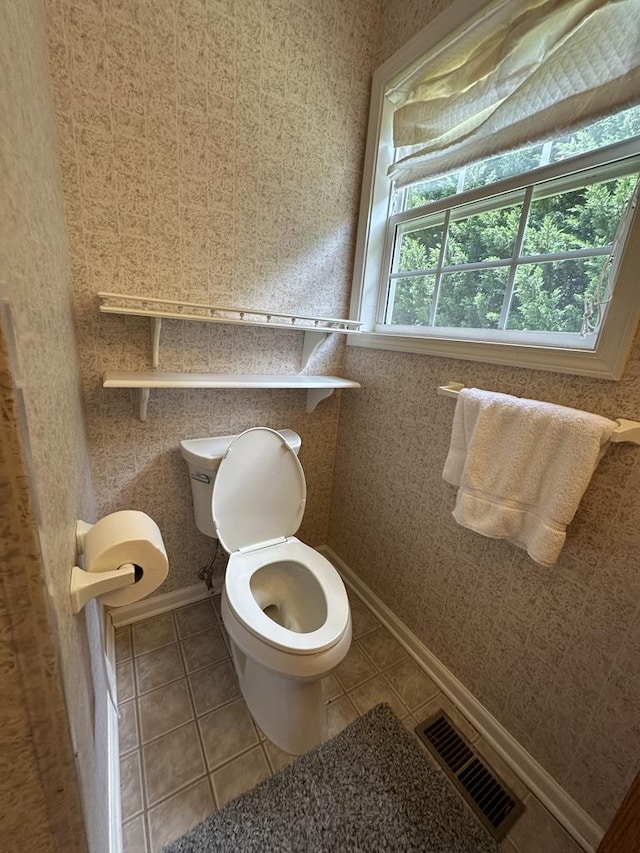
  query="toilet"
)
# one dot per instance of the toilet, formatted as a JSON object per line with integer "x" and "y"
{"x": 284, "y": 605}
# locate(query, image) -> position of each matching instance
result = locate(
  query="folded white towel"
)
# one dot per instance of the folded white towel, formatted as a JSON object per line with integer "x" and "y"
{"x": 522, "y": 467}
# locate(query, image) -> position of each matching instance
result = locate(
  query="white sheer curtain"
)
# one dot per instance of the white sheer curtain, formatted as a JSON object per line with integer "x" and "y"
{"x": 519, "y": 72}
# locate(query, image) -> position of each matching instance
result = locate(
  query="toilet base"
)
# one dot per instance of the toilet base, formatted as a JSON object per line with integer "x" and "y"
{"x": 288, "y": 710}
{"x": 287, "y": 707}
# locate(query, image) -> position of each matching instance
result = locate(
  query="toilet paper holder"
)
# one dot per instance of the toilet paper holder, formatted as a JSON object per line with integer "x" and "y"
{"x": 87, "y": 585}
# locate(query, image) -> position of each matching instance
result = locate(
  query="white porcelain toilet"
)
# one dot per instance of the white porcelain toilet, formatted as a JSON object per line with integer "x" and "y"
{"x": 284, "y": 605}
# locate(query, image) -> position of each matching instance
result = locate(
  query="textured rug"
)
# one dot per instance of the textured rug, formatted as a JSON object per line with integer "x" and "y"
{"x": 370, "y": 788}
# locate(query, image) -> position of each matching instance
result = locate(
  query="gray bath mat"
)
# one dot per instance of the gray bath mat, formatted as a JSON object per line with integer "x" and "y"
{"x": 371, "y": 788}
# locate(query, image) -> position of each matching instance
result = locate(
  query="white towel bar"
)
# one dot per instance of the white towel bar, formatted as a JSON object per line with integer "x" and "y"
{"x": 628, "y": 431}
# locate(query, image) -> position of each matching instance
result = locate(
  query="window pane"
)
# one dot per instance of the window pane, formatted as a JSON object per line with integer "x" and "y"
{"x": 550, "y": 297}
{"x": 433, "y": 190}
{"x": 419, "y": 250}
{"x": 504, "y": 166}
{"x": 607, "y": 131}
{"x": 586, "y": 217}
{"x": 410, "y": 305}
{"x": 486, "y": 236}
{"x": 472, "y": 300}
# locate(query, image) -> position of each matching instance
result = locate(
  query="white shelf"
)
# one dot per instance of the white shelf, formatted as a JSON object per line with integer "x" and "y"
{"x": 318, "y": 387}
{"x": 315, "y": 329}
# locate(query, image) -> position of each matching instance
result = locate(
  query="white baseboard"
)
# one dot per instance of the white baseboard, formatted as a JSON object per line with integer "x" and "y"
{"x": 563, "y": 807}
{"x": 148, "y": 607}
{"x": 113, "y": 746}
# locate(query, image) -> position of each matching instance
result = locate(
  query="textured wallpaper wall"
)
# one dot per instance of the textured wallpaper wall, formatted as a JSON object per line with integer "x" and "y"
{"x": 551, "y": 652}
{"x": 40, "y": 797}
{"x": 212, "y": 152}
{"x": 41, "y": 640}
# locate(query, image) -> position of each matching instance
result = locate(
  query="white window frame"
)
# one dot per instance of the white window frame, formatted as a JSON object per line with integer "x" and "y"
{"x": 605, "y": 361}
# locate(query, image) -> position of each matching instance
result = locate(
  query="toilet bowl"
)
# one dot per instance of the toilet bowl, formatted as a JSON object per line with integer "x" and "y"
{"x": 284, "y": 605}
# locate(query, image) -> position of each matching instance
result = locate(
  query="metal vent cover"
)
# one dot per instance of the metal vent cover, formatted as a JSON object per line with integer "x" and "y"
{"x": 490, "y": 799}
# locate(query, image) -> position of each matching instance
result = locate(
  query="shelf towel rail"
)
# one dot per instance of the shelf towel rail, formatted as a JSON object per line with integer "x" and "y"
{"x": 147, "y": 306}
{"x": 627, "y": 431}
{"x": 315, "y": 329}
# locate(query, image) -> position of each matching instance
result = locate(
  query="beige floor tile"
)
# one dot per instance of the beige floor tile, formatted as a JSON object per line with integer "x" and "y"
{"x": 382, "y": 648}
{"x": 195, "y": 618}
{"x": 130, "y": 785}
{"x": 330, "y": 688}
{"x": 204, "y": 649}
{"x": 261, "y": 735}
{"x": 362, "y": 621}
{"x": 123, "y": 643}
{"x": 411, "y": 683}
{"x": 441, "y": 703}
{"x": 501, "y": 768}
{"x": 536, "y": 830}
{"x": 338, "y": 715}
{"x": 240, "y": 775}
{"x": 153, "y": 633}
{"x": 159, "y": 667}
{"x": 506, "y": 846}
{"x": 164, "y": 709}
{"x": 215, "y": 602}
{"x": 354, "y": 669}
{"x": 171, "y": 762}
{"x": 128, "y": 726}
{"x": 171, "y": 818}
{"x": 227, "y": 732}
{"x": 214, "y": 686}
{"x": 410, "y": 723}
{"x": 278, "y": 759}
{"x": 134, "y": 839}
{"x": 351, "y": 595}
{"x": 225, "y": 637}
{"x": 376, "y": 690}
{"x": 124, "y": 680}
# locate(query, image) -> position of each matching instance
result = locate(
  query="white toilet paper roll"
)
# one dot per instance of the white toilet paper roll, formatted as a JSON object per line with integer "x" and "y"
{"x": 128, "y": 536}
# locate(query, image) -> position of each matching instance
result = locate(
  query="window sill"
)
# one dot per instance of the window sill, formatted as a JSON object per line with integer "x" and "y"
{"x": 595, "y": 363}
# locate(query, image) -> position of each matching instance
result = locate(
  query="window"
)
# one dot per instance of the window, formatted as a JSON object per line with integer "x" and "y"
{"x": 508, "y": 259}
{"x": 508, "y": 244}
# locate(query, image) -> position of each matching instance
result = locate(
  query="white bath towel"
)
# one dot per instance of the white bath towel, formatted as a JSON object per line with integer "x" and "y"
{"x": 522, "y": 467}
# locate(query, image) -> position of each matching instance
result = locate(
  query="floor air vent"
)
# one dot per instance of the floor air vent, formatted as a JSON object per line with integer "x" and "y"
{"x": 496, "y": 806}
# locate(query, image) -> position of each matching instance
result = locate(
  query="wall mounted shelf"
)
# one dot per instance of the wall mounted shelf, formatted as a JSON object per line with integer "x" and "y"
{"x": 318, "y": 387}
{"x": 315, "y": 329}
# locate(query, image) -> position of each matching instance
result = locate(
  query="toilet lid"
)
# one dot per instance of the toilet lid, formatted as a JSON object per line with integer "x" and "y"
{"x": 259, "y": 492}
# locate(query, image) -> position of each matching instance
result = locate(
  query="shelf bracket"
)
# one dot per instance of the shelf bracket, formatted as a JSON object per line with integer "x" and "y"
{"x": 156, "y": 325}
{"x": 451, "y": 389}
{"x": 317, "y": 395}
{"x": 144, "y": 402}
{"x": 627, "y": 431}
{"x": 312, "y": 341}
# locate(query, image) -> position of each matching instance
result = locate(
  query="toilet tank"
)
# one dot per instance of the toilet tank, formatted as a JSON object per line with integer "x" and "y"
{"x": 203, "y": 456}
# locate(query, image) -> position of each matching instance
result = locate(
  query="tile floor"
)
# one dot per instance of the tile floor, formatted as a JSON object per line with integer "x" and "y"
{"x": 188, "y": 744}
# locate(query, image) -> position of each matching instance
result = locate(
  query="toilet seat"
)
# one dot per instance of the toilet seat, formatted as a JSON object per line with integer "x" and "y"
{"x": 257, "y": 504}
{"x": 259, "y": 493}
{"x": 241, "y": 568}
